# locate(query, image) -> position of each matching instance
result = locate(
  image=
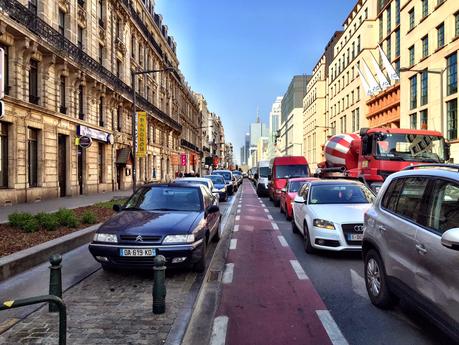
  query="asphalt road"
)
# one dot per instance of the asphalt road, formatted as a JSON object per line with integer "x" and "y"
{"x": 338, "y": 277}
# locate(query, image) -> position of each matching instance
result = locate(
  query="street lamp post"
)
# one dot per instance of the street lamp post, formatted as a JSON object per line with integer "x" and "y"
{"x": 432, "y": 71}
{"x": 134, "y": 120}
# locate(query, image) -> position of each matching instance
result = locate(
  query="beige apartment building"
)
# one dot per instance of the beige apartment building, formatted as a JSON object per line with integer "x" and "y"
{"x": 348, "y": 100}
{"x": 429, "y": 54}
{"x": 315, "y": 106}
{"x": 68, "y": 74}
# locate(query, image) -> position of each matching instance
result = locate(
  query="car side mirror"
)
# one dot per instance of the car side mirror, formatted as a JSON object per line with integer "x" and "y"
{"x": 299, "y": 199}
{"x": 117, "y": 208}
{"x": 213, "y": 209}
{"x": 450, "y": 239}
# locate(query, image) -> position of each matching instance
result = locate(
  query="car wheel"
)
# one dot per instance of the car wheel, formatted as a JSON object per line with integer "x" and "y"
{"x": 281, "y": 209}
{"x": 287, "y": 216}
{"x": 295, "y": 229}
{"x": 308, "y": 248}
{"x": 376, "y": 281}
{"x": 218, "y": 234}
{"x": 276, "y": 203}
{"x": 200, "y": 266}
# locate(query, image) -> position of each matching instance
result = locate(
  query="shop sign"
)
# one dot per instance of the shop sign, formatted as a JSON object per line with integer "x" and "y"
{"x": 216, "y": 161}
{"x": 183, "y": 159}
{"x": 141, "y": 134}
{"x": 175, "y": 160}
{"x": 94, "y": 134}
{"x": 84, "y": 141}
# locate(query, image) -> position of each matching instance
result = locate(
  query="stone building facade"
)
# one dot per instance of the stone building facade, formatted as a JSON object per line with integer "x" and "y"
{"x": 68, "y": 74}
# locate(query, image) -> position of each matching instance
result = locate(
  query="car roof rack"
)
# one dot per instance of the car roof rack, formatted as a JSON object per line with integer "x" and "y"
{"x": 433, "y": 165}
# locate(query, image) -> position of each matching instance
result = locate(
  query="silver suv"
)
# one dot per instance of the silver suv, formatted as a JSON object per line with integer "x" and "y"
{"x": 411, "y": 243}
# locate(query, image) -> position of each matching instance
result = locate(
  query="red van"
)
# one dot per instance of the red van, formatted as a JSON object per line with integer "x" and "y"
{"x": 283, "y": 168}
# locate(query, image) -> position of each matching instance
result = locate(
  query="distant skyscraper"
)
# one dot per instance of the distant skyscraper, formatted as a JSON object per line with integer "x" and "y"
{"x": 275, "y": 116}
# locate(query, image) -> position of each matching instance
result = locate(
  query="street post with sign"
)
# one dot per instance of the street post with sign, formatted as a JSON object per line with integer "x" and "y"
{"x": 142, "y": 134}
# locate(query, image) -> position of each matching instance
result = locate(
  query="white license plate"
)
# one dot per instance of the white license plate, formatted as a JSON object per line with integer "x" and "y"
{"x": 355, "y": 237}
{"x": 137, "y": 252}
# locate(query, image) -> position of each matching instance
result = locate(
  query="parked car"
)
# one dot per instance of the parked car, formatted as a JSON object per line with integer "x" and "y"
{"x": 288, "y": 194}
{"x": 174, "y": 220}
{"x": 230, "y": 180}
{"x": 261, "y": 178}
{"x": 238, "y": 175}
{"x": 202, "y": 181}
{"x": 282, "y": 169}
{"x": 219, "y": 185}
{"x": 329, "y": 214}
{"x": 411, "y": 244}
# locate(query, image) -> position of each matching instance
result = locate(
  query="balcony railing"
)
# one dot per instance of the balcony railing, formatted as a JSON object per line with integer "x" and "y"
{"x": 21, "y": 14}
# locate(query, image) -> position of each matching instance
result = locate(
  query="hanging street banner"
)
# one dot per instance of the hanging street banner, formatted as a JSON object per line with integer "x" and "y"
{"x": 183, "y": 159}
{"x": 141, "y": 134}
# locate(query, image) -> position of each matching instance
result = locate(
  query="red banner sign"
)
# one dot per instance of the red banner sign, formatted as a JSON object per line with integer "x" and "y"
{"x": 183, "y": 159}
{"x": 216, "y": 161}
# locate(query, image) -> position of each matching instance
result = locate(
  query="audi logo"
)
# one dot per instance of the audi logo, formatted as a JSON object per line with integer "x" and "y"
{"x": 358, "y": 228}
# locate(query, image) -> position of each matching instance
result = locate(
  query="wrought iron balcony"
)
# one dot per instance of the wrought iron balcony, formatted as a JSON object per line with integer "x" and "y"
{"x": 65, "y": 48}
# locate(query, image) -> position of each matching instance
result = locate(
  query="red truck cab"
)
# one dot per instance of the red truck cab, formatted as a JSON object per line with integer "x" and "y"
{"x": 282, "y": 169}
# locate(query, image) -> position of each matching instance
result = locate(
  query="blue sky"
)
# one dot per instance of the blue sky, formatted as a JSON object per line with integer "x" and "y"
{"x": 243, "y": 53}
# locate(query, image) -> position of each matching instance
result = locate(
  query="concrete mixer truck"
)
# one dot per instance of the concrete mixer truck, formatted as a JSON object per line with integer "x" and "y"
{"x": 375, "y": 153}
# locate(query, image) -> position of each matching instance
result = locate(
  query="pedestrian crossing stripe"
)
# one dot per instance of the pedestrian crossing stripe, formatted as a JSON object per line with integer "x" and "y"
{"x": 8, "y": 304}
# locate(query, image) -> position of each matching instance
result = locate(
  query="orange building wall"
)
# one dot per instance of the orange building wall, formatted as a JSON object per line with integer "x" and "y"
{"x": 384, "y": 108}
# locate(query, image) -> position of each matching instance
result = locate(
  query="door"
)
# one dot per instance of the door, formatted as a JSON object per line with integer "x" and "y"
{"x": 119, "y": 174}
{"x": 62, "y": 164}
{"x": 437, "y": 272}
{"x": 397, "y": 222}
{"x": 80, "y": 170}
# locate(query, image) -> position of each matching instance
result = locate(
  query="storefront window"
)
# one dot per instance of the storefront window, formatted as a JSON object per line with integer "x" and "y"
{"x": 3, "y": 155}
{"x": 33, "y": 157}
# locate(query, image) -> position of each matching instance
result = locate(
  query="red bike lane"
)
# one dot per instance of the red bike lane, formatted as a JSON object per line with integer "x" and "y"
{"x": 266, "y": 297}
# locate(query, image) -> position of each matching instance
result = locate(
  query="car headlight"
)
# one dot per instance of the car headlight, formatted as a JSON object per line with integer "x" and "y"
{"x": 324, "y": 224}
{"x": 111, "y": 238}
{"x": 223, "y": 190}
{"x": 278, "y": 191}
{"x": 179, "y": 239}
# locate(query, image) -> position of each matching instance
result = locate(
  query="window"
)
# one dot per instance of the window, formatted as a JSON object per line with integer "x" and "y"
{"x": 133, "y": 46}
{"x": 397, "y": 42}
{"x": 409, "y": 203}
{"x": 6, "y": 75}
{"x": 33, "y": 6}
{"x": 451, "y": 114}
{"x": 32, "y": 156}
{"x": 33, "y": 82}
{"x": 425, "y": 46}
{"x": 451, "y": 74}
{"x": 117, "y": 28}
{"x": 80, "y": 37}
{"x": 389, "y": 201}
{"x": 100, "y": 162}
{"x": 424, "y": 119}
{"x": 101, "y": 54}
{"x": 101, "y": 111}
{"x": 61, "y": 22}
{"x": 411, "y": 55}
{"x": 389, "y": 48}
{"x": 456, "y": 24}
{"x": 62, "y": 90}
{"x": 119, "y": 119}
{"x": 411, "y": 15}
{"x": 425, "y": 8}
{"x": 81, "y": 102}
{"x": 413, "y": 121}
{"x": 100, "y": 12}
{"x": 358, "y": 93}
{"x": 3, "y": 155}
{"x": 389, "y": 20}
{"x": 440, "y": 35}
{"x": 381, "y": 26}
{"x": 442, "y": 212}
{"x": 118, "y": 68}
{"x": 397, "y": 12}
{"x": 424, "y": 87}
{"x": 358, "y": 44}
{"x": 413, "y": 92}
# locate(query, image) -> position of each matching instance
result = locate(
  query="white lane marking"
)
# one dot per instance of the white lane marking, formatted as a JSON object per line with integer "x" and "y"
{"x": 270, "y": 217}
{"x": 236, "y": 228}
{"x": 274, "y": 225}
{"x": 238, "y": 218}
{"x": 219, "y": 330}
{"x": 282, "y": 241}
{"x": 358, "y": 284}
{"x": 228, "y": 274}
{"x": 239, "y": 206}
{"x": 332, "y": 329}
{"x": 266, "y": 210}
{"x": 238, "y": 211}
{"x": 298, "y": 270}
{"x": 233, "y": 244}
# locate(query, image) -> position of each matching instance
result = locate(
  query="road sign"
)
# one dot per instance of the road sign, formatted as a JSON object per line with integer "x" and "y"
{"x": 141, "y": 134}
{"x": 84, "y": 141}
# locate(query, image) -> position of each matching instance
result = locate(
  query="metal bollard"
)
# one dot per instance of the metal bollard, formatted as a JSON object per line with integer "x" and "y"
{"x": 159, "y": 285}
{"x": 55, "y": 280}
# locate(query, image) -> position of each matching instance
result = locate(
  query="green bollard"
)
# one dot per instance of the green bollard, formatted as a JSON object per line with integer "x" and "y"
{"x": 55, "y": 280}
{"x": 159, "y": 285}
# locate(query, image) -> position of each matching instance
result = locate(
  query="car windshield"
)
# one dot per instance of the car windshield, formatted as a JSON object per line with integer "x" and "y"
{"x": 237, "y": 173}
{"x": 288, "y": 171}
{"x": 410, "y": 147}
{"x": 226, "y": 175}
{"x": 340, "y": 194}
{"x": 264, "y": 171}
{"x": 216, "y": 179}
{"x": 294, "y": 186}
{"x": 204, "y": 183}
{"x": 165, "y": 199}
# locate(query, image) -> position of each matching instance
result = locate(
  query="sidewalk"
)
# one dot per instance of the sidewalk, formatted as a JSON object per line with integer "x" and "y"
{"x": 267, "y": 298}
{"x": 53, "y": 205}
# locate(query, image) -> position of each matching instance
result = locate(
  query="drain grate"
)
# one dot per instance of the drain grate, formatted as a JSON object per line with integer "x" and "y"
{"x": 213, "y": 276}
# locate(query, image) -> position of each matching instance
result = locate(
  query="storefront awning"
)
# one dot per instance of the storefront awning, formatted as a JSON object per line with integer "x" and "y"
{"x": 123, "y": 156}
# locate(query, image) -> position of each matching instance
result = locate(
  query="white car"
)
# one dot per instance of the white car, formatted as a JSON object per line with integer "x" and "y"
{"x": 329, "y": 214}
{"x": 201, "y": 181}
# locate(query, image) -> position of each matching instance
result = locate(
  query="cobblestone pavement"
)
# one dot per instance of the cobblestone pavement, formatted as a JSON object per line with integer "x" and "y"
{"x": 108, "y": 308}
